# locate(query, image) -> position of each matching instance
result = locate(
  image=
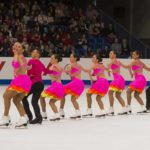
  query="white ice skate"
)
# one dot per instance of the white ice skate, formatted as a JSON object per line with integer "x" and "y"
{"x": 111, "y": 112}
{"x": 44, "y": 115}
{"x": 5, "y": 121}
{"x": 124, "y": 111}
{"x": 56, "y": 117}
{"x": 129, "y": 110}
{"x": 61, "y": 113}
{"x": 22, "y": 123}
{"x": 142, "y": 110}
{"x": 102, "y": 113}
{"x": 88, "y": 113}
{"x": 77, "y": 115}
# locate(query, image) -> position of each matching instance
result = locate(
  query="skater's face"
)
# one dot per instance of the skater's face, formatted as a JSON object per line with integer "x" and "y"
{"x": 72, "y": 59}
{"x": 112, "y": 55}
{"x": 94, "y": 59}
{"x": 17, "y": 48}
{"x": 53, "y": 59}
{"x": 135, "y": 55}
{"x": 35, "y": 54}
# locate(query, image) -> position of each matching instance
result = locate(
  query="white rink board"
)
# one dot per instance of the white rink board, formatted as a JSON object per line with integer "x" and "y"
{"x": 7, "y": 72}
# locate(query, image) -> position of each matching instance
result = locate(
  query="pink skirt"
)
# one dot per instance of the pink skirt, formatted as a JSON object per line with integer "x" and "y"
{"x": 138, "y": 84}
{"x": 100, "y": 87}
{"x": 54, "y": 91}
{"x": 75, "y": 87}
{"x": 20, "y": 84}
{"x": 118, "y": 84}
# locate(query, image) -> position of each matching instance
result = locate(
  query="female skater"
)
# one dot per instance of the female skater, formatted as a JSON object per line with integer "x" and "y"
{"x": 117, "y": 85}
{"x": 18, "y": 88}
{"x": 99, "y": 88}
{"x": 75, "y": 87}
{"x": 56, "y": 91}
{"x": 138, "y": 85}
{"x": 35, "y": 74}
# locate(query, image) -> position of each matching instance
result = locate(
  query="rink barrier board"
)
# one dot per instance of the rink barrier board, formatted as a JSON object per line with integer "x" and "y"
{"x": 48, "y": 82}
{"x": 6, "y": 70}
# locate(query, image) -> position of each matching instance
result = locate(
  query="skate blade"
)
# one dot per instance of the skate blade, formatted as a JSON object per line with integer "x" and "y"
{"x": 76, "y": 118}
{"x": 122, "y": 114}
{"x": 24, "y": 126}
{"x": 87, "y": 116}
{"x": 110, "y": 114}
{"x": 5, "y": 126}
{"x": 100, "y": 116}
{"x": 143, "y": 112}
{"x": 57, "y": 119}
{"x": 44, "y": 118}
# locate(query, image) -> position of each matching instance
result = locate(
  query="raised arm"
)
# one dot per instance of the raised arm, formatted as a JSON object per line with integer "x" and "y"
{"x": 108, "y": 67}
{"x": 145, "y": 67}
{"x": 1, "y": 65}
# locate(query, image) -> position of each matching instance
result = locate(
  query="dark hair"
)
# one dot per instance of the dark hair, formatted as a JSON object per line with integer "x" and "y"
{"x": 138, "y": 53}
{"x": 38, "y": 51}
{"x": 98, "y": 57}
{"x": 76, "y": 56}
{"x": 114, "y": 52}
{"x": 58, "y": 57}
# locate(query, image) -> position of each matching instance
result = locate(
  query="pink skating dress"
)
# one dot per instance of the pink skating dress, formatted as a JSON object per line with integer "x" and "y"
{"x": 76, "y": 86}
{"x": 21, "y": 82}
{"x": 56, "y": 89}
{"x": 118, "y": 84}
{"x": 100, "y": 87}
{"x": 140, "y": 81}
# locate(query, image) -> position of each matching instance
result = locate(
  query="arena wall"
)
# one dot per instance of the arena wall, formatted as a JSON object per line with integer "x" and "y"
{"x": 6, "y": 73}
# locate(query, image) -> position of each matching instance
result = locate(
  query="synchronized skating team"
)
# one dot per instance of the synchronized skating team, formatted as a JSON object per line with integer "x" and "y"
{"x": 28, "y": 80}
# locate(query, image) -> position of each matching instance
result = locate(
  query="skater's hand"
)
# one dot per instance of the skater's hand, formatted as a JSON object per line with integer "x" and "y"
{"x": 132, "y": 75}
{"x": 92, "y": 81}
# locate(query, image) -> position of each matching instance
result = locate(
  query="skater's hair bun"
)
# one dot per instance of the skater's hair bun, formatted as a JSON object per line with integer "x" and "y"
{"x": 98, "y": 57}
{"x": 137, "y": 53}
{"x": 76, "y": 56}
{"x": 58, "y": 57}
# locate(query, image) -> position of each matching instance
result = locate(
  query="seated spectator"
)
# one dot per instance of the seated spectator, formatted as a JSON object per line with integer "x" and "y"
{"x": 125, "y": 48}
{"x": 116, "y": 46}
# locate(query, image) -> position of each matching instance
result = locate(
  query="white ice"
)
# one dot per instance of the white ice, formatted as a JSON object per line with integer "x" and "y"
{"x": 110, "y": 133}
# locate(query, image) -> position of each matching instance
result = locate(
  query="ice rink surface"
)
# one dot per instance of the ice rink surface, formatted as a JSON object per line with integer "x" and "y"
{"x": 131, "y": 132}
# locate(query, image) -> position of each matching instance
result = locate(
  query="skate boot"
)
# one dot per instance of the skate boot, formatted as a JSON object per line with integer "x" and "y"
{"x": 143, "y": 110}
{"x": 22, "y": 123}
{"x": 56, "y": 117}
{"x": 36, "y": 121}
{"x": 88, "y": 113}
{"x": 102, "y": 113}
{"x": 62, "y": 113}
{"x": 77, "y": 115}
{"x": 111, "y": 112}
{"x": 124, "y": 111}
{"x": 5, "y": 121}
{"x": 44, "y": 115}
{"x": 129, "y": 110}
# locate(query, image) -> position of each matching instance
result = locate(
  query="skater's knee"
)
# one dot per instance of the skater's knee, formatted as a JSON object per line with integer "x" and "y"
{"x": 88, "y": 95}
{"x": 73, "y": 99}
{"x": 136, "y": 94}
{"x": 33, "y": 103}
{"x": 118, "y": 95}
{"x": 110, "y": 92}
{"x": 15, "y": 101}
{"x": 52, "y": 101}
{"x": 5, "y": 95}
{"x": 129, "y": 92}
{"x": 98, "y": 98}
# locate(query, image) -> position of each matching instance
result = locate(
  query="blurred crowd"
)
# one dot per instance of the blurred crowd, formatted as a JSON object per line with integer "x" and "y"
{"x": 57, "y": 28}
